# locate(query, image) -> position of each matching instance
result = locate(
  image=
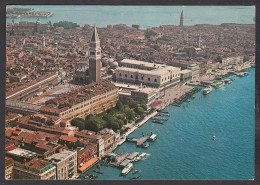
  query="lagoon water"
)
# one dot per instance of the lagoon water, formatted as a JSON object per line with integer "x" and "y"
{"x": 146, "y": 16}
{"x": 184, "y": 148}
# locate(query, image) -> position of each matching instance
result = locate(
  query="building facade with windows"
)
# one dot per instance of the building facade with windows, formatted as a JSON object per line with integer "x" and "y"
{"x": 195, "y": 70}
{"x": 94, "y": 99}
{"x": 66, "y": 164}
{"x": 35, "y": 169}
{"x": 150, "y": 74}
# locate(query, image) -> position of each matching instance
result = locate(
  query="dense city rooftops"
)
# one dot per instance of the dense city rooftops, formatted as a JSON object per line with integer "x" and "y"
{"x": 61, "y": 156}
{"x": 38, "y": 164}
{"x": 22, "y": 153}
{"x": 28, "y": 84}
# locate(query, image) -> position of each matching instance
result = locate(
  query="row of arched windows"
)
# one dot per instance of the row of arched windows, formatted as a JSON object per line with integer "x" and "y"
{"x": 149, "y": 79}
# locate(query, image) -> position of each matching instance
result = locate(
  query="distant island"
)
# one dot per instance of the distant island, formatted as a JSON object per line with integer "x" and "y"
{"x": 26, "y": 12}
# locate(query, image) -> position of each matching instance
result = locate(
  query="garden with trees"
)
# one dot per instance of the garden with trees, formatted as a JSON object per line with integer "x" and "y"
{"x": 115, "y": 118}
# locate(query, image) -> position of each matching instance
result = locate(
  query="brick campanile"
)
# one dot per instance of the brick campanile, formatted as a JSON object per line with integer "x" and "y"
{"x": 94, "y": 57}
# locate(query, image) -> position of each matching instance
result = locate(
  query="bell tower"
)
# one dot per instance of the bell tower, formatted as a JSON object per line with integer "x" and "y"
{"x": 94, "y": 57}
{"x": 181, "y": 18}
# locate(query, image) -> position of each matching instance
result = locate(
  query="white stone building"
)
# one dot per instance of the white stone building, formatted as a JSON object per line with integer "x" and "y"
{"x": 150, "y": 74}
{"x": 195, "y": 70}
{"x": 66, "y": 164}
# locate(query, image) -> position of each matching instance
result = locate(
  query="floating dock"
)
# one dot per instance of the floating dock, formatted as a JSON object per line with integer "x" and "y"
{"x": 142, "y": 140}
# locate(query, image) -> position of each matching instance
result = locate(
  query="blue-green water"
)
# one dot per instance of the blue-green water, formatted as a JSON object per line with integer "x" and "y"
{"x": 184, "y": 148}
{"x": 146, "y": 16}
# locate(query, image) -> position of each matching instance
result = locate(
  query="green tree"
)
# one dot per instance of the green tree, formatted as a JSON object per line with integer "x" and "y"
{"x": 143, "y": 105}
{"x": 119, "y": 105}
{"x": 121, "y": 116}
{"x": 94, "y": 123}
{"x": 132, "y": 104}
{"x": 114, "y": 123}
{"x": 130, "y": 114}
{"x": 78, "y": 122}
{"x": 139, "y": 110}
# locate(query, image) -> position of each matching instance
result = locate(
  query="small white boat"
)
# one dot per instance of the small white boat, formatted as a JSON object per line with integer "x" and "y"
{"x": 153, "y": 137}
{"x": 229, "y": 81}
{"x": 207, "y": 90}
{"x": 127, "y": 169}
{"x": 219, "y": 84}
{"x": 213, "y": 138}
{"x": 140, "y": 157}
{"x": 143, "y": 155}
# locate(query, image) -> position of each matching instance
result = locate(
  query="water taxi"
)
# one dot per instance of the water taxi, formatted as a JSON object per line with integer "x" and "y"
{"x": 219, "y": 84}
{"x": 229, "y": 81}
{"x": 153, "y": 137}
{"x": 207, "y": 90}
{"x": 140, "y": 157}
{"x": 96, "y": 171}
{"x": 136, "y": 177}
{"x": 136, "y": 171}
{"x": 127, "y": 169}
{"x": 157, "y": 121}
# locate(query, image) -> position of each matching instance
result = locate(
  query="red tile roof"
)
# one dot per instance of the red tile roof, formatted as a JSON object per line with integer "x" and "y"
{"x": 67, "y": 138}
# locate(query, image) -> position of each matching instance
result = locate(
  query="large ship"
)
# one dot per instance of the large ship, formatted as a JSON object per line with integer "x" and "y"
{"x": 127, "y": 169}
{"x": 207, "y": 90}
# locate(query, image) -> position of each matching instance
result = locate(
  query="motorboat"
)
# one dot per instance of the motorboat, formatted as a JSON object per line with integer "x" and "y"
{"x": 229, "y": 81}
{"x": 207, "y": 90}
{"x": 219, "y": 84}
{"x": 136, "y": 171}
{"x": 127, "y": 169}
{"x": 136, "y": 177}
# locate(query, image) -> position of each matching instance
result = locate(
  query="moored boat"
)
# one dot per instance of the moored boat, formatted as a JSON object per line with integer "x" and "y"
{"x": 157, "y": 121}
{"x": 136, "y": 171}
{"x": 229, "y": 81}
{"x": 219, "y": 84}
{"x": 127, "y": 169}
{"x": 145, "y": 145}
{"x": 153, "y": 137}
{"x": 143, "y": 155}
{"x": 207, "y": 90}
{"x": 136, "y": 177}
{"x": 98, "y": 171}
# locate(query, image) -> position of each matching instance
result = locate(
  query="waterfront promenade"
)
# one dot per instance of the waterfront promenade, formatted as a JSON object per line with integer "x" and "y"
{"x": 129, "y": 131}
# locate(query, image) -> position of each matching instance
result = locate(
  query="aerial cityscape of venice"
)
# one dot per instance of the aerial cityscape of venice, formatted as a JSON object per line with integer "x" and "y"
{"x": 130, "y": 92}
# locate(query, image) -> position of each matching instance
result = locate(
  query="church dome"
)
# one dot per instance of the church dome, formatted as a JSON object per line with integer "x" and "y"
{"x": 104, "y": 61}
{"x": 110, "y": 60}
{"x": 114, "y": 64}
{"x": 38, "y": 21}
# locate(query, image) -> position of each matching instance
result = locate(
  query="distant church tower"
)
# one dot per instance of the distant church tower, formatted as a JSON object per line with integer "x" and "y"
{"x": 199, "y": 42}
{"x": 181, "y": 19}
{"x": 43, "y": 41}
{"x": 94, "y": 57}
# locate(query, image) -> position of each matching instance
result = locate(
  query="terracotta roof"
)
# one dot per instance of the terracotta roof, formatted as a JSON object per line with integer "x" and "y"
{"x": 8, "y": 161}
{"x": 37, "y": 164}
{"x": 67, "y": 138}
